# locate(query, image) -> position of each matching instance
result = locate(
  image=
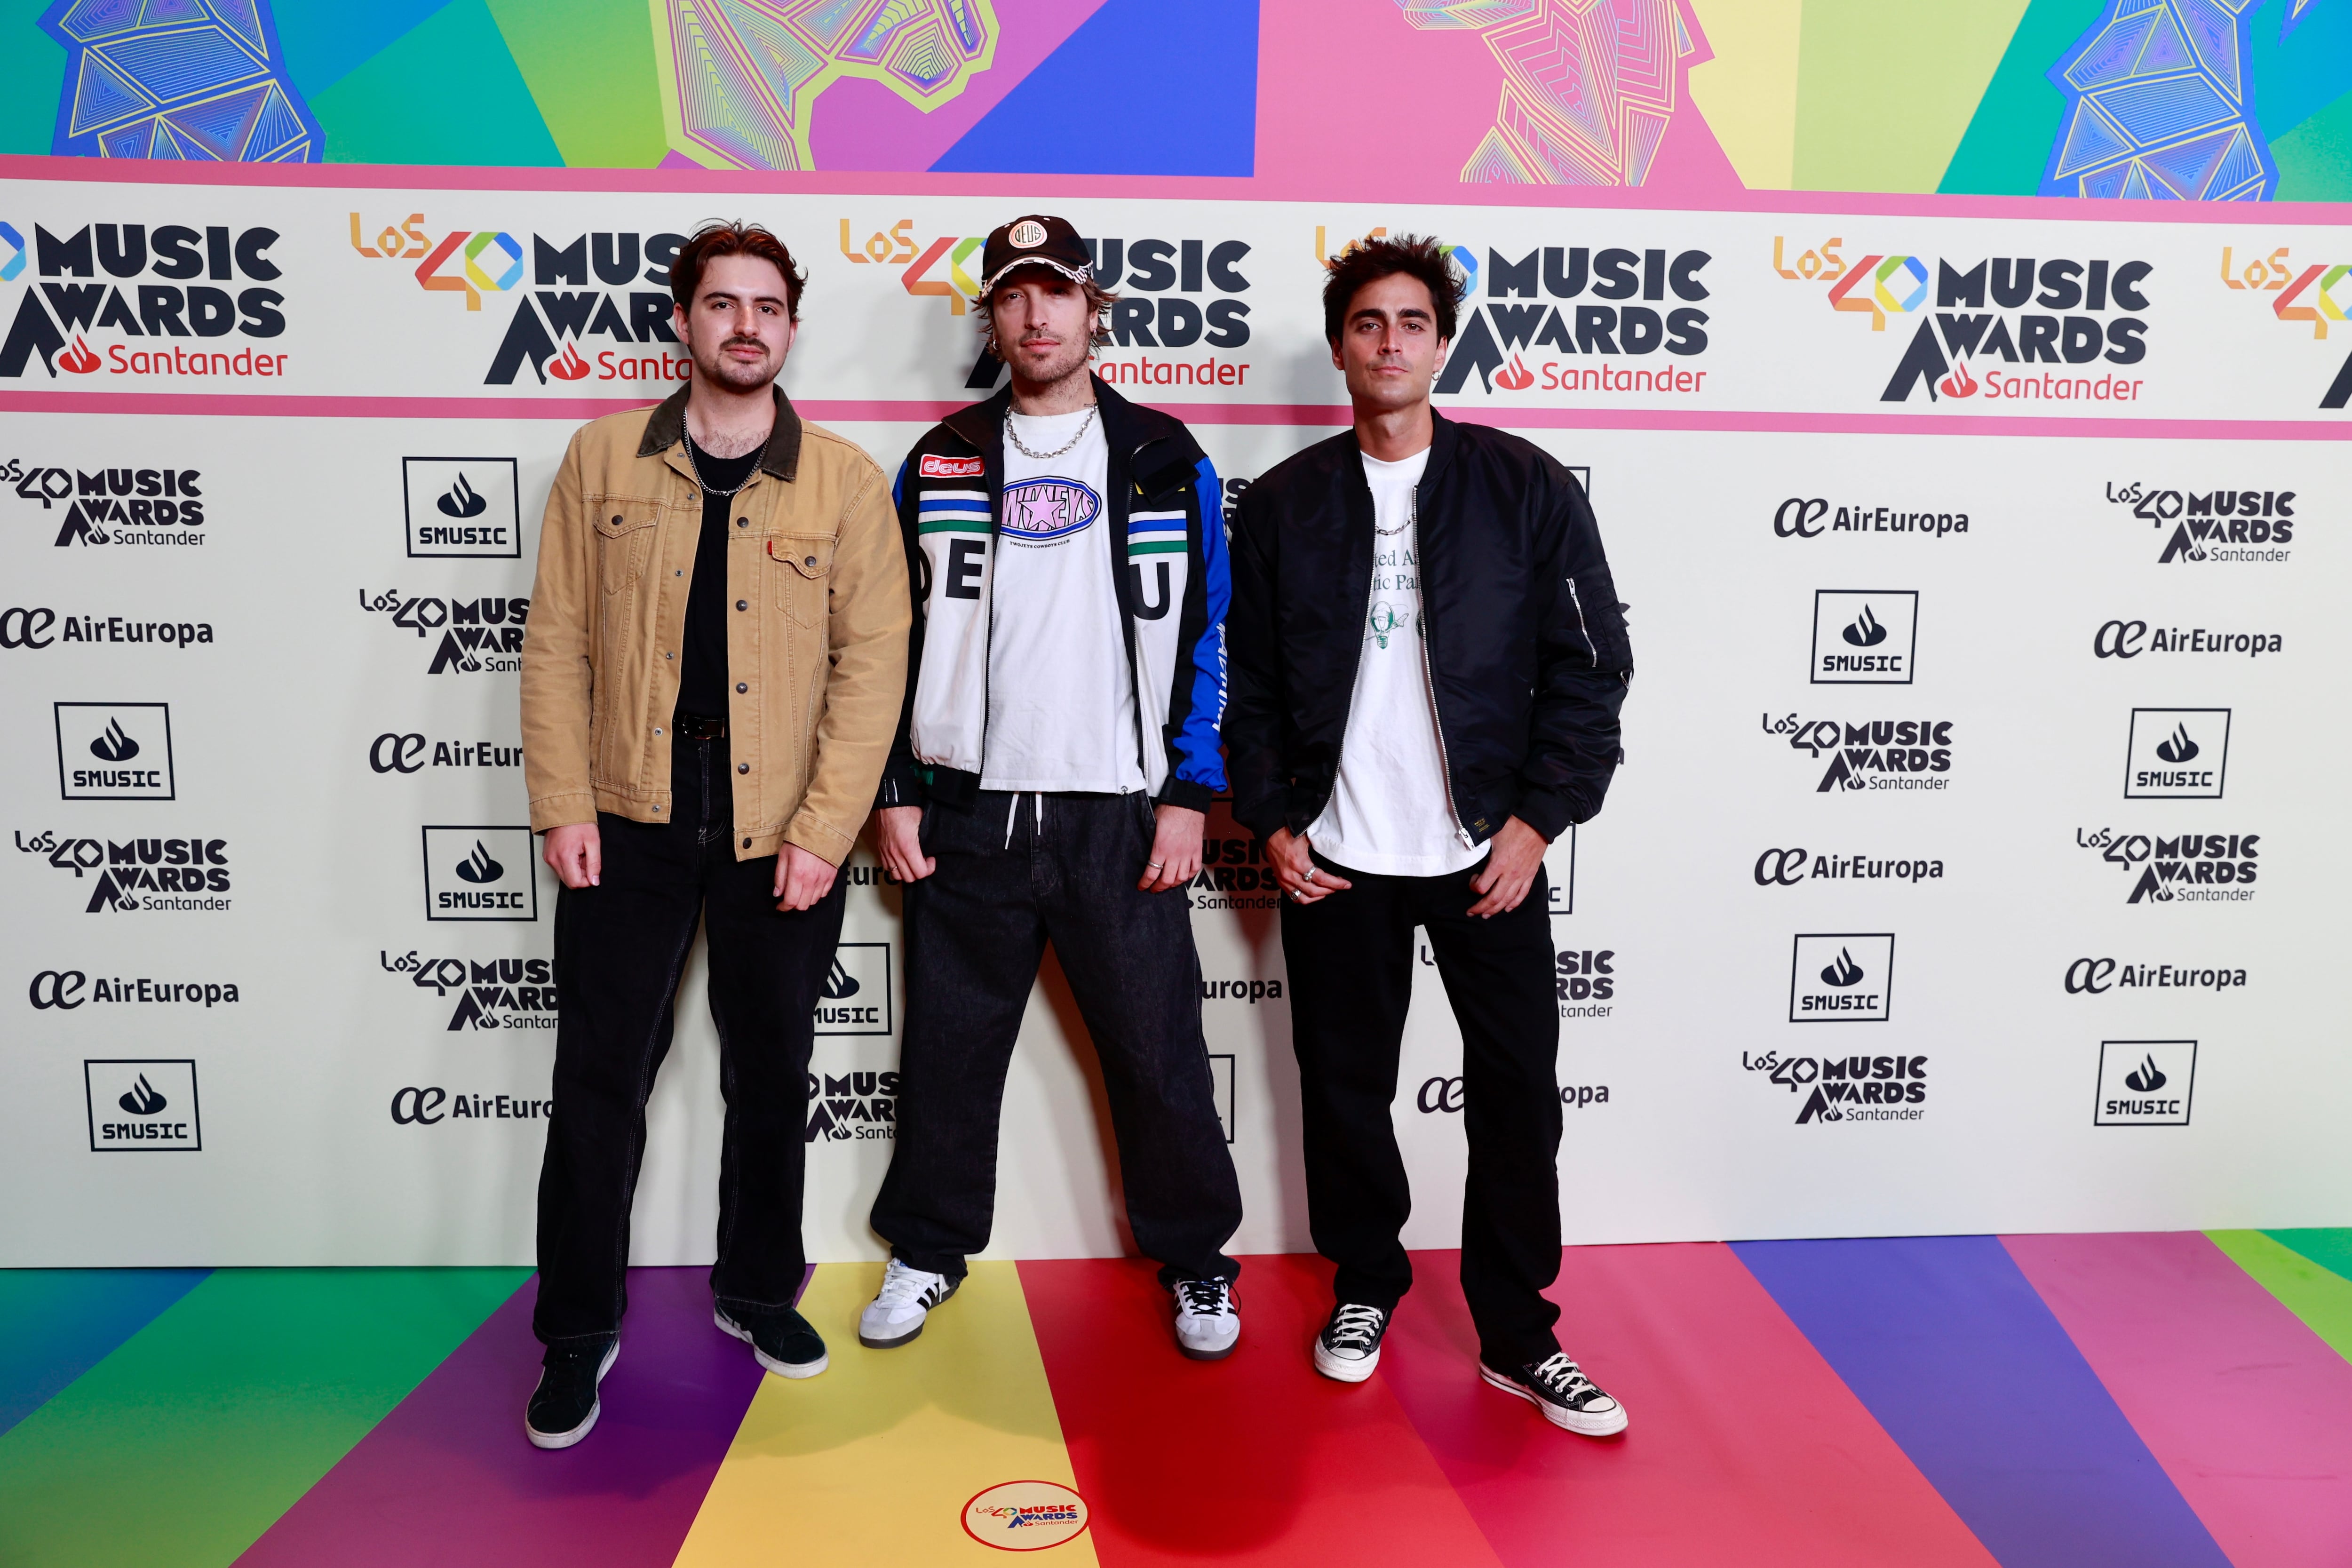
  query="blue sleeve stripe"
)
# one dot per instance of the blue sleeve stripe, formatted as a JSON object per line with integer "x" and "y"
{"x": 1200, "y": 761}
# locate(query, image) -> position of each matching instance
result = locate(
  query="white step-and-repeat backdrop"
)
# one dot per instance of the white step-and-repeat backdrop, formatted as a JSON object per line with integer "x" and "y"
{"x": 1977, "y": 862}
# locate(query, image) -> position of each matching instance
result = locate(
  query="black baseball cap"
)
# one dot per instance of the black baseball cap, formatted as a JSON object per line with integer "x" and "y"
{"x": 1034, "y": 240}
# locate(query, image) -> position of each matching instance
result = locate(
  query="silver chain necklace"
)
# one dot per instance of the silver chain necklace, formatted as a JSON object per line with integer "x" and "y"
{"x": 1014, "y": 436}
{"x": 1412, "y": 513}
{"x": 698, "y": 479}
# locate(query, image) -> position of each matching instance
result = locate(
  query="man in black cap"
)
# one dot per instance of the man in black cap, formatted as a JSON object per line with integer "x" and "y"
{"x": 1050, "y": 780}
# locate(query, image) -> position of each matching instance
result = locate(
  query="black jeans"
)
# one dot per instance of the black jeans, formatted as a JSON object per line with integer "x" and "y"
{"x": 976, "y": 930}
{"x": 1351, "y": 961}
{"x": 619, "y": 946}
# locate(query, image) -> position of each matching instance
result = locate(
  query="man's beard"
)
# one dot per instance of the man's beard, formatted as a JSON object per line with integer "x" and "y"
{"x": 716, "y": 367}
{"x": 1068, "y": 359}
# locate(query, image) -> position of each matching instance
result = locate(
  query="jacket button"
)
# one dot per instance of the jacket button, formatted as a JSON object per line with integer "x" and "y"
{"x": 740, "y": 687}
{"x": 809, "y": 562}
{"x": 616, "y": 520}
{"x": 740, "y": 523}
{"x": 743, "y": 604}
{"x": 742, "y": 767}
{"x": 747, "y": 843}
{"x": 656, "y": 729}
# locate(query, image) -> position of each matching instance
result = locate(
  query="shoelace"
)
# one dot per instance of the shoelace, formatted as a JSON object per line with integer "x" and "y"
{"x": 1205, "y": 1298}
{"x": 1565, "y": 1378}
{"x": 1355, "y": 1327}
{"x": 902, "y": 1284}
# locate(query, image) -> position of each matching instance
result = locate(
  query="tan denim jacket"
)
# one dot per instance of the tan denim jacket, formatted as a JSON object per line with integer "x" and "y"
{"x": 814, "y": 565}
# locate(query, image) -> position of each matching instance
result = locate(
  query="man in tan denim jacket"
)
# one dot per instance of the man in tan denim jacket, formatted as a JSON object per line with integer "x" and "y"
{"x": 712, "y": 672}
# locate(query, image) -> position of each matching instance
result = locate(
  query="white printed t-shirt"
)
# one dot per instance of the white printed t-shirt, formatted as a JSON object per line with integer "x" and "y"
{"x": 1061, "y": 705}
{"x": 1390, "y": 813}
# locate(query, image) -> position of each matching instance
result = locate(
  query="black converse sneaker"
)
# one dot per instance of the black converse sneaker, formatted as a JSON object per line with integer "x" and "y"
{"x": 564, "y": 1406}
{"x": 1349, "y": 1348}
{"x": 1557, "y": 1387}
{"x": 780, "y": 1340}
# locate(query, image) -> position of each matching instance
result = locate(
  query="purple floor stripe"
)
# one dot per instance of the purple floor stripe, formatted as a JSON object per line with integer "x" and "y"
{"x": 448, "y": 1479}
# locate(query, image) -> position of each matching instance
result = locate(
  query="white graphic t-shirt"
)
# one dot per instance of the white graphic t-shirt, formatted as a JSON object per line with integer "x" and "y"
{"x": 1388, "y": 813}
{"x": 1061, "y": 707}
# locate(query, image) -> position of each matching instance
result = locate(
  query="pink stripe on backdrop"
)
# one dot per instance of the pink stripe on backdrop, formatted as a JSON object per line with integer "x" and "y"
{"x": 1744, "y": 1447}
{"x": 1361, "y": 179}
{"x": 447, "y": 1479}
{"x": 2248, "y": 1411}
{"x": 1333, "y": 415}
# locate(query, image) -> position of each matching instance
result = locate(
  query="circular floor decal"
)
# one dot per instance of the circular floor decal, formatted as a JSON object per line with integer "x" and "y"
{"x": 1024, "y": 1516}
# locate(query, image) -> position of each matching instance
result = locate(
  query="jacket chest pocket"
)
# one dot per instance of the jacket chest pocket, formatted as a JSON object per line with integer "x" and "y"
{"x": 625, "y": 539}
{"x": 800, "y": 572}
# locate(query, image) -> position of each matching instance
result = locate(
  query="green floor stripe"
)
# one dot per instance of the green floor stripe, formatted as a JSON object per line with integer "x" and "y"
{"x": 2320, "y": 1297}
{"x": 179, "y": 1449}
{"x": 2331, "y": 1249}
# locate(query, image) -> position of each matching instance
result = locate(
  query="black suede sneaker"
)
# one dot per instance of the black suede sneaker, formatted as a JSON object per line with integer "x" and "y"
{"x": 1557, "y": 1387}
{"x": 563, "y": 1407}
{"x": 780, "y": 1340}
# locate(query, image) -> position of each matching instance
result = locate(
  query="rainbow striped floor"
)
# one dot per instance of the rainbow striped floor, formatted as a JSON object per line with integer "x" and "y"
{"x": 2068, "y": 1400}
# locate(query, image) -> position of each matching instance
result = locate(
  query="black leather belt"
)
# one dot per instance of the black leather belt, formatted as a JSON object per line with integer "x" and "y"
{"x": 695, "y": 727}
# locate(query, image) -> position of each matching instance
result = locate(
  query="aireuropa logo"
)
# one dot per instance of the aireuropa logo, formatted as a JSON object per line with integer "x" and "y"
{"x": 1842, "y": 978}
{"x": 113, "y": 506}
{"x": 1877, "y": 754}
{"x": 114, "y": 750}
{"x": 140, "y": 873}
{"x": 2057, "y": 312}
{"x": 38, "y": 627}
{"x": 2218, "y": 526}
{"x": 462, "y": 508}
{"x": 477, "y": 636}
{"x": 177, "y": 307}
{"x": 2145, "y": 1083}
{"x": 1848, "y": 1089}
{"x": 1625, "y": 302}
{"x": 494, "y": 993}
{"x": 2129, "y": 640}
{"x": 1864, "y": 637}
{"x": 1809, "y": 517}
{"x": 140, "y": 1107}
{"x": 67, "y": 990}
{"x": 409, "y": 752}
{"x": 479, "y": 874}
{"x": 430, "y": 1105}
{"x": 1024, "y": 1516}
{"x": 2176, "y": 754}
{"x": 2193, "y": 867}
{"x": 2306, "y": 292}
{"x": 854, "y": 997}
{"x": 1445, "y": 1096}
{"x": 2097, "y": 976}
{"x": 1785, "y": 868}
{"x": 858, "y": 1106}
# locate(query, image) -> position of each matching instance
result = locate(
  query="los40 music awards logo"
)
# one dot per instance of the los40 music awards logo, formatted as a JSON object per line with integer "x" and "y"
{"x": 474, "y": 636}
{"x": 133, "y": 875}
{"x": 2296, "y": 292}
{"x": 1902, "y": 756}
{"x": 2085, "y": 320}
{"x": 2237, "y": 527}
{"x": 1585, "y": 308}
{"x": 108, "y": 505}
{"x": 493, "y": 994}
{"x": 129, "y": 301}
{"x": 2186, "y": 868}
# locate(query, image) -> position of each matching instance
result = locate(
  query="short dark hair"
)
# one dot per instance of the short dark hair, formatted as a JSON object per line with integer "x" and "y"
{"x": 1370, "y": 261}
{"x": 1099, "y": 300}
{"x": 713, "y": 240}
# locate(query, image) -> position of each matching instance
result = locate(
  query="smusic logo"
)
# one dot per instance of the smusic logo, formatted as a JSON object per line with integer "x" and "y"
{"x": 479, "y": 874}
{"x": 855, "y": 996}
{"x": 2176, "y": 754}
{"x": 1901, "y": 754}
{"x": 1841, "y": 979}
{"x": 142, "y": 1107}
{"x": 2145, "y": 1083}
{"x": 131, "y": 743}
{"x": 1864, "y": 638}
{"x": 462, "y": 508}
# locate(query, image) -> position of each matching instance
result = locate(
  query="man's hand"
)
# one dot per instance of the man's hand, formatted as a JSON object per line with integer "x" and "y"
{"x": 1518, "y": 855}
{"x": 1175, "y": 848}
{"x": 898, "y": 840}
{"x": 1302, "y": 881}
{"x": 575, "y": 854}
{"x": 801, "y": 878}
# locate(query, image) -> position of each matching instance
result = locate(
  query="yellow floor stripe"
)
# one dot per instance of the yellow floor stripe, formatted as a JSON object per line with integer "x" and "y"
{"x": 873, "y": 1460}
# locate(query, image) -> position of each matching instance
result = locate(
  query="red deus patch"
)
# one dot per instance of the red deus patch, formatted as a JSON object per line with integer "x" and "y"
{"x": 950, "y": 469}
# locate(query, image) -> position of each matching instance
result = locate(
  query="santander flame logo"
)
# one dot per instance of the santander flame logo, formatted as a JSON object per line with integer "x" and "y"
{"x": 114, "y": 746}
{"x": 571, "y": 367}
{"x": 142, "y": 1098}
{"x": 1517, "y": 377}
{"x": 2144, "y": 1078}
{"x": 81, "y": 359}
{"x": 462, "y": 501}
{"x": 1843, "y": 971}
{"x": 1959, "y": 383}
{"x": 478, "y": 868}
{"x": 840, "y": 984}
{"x": 1866, "y": 631}
{"x": 2178, "y": 748}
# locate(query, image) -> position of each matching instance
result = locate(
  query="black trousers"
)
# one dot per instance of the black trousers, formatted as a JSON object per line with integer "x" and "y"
{"x": 619, "y": 946}
{"x": 1013, "y": 874}
{"x": 1351, "y": 961}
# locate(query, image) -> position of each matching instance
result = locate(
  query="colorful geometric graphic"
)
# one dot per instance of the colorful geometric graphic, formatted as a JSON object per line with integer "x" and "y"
{"x": 177, "y": 79}
{"x": 1588, "y": 85}
{"x": 743, "y": 75}
{"x": 2161, "y": 1400}
{"x": 2158, "y": 106}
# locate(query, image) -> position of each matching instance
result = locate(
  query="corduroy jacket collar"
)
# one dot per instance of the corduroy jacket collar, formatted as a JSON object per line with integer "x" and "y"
{"x": 782, "y": 457}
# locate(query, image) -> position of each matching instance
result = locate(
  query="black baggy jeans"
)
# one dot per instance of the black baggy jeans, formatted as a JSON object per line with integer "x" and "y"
{"x": 1014, "y": 871}
{"x": 619, "y": 947}
{"x": 1351, "y": 963}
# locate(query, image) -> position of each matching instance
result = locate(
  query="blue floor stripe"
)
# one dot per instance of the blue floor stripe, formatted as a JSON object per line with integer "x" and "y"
{"x": 1952, "y": 1351}
{"x": 58, "y": 1324}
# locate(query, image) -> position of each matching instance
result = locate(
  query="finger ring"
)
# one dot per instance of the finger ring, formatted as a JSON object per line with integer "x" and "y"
{"x": 1310, "y": 874}
{"x": 1152, "y": 865}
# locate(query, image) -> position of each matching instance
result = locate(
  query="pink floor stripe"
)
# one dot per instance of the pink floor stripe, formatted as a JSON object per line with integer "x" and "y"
{"x": 2248, "y": 1411}
{"x": 1744, "y": 1446}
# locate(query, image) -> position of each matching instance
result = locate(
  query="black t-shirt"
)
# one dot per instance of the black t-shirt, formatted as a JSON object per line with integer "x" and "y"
{"x": 702, "y": 673}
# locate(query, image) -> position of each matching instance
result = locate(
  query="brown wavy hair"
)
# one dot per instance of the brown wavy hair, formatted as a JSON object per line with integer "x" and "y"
{"x": 713, "y": 240}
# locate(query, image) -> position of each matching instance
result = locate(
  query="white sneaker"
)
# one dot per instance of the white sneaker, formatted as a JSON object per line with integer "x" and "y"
{"x": 1349, "y": 1348}
{"x": 897, "y": 1312}
{"x": 1208, "y": 1319}
{"x": 1557, "y": 1387}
